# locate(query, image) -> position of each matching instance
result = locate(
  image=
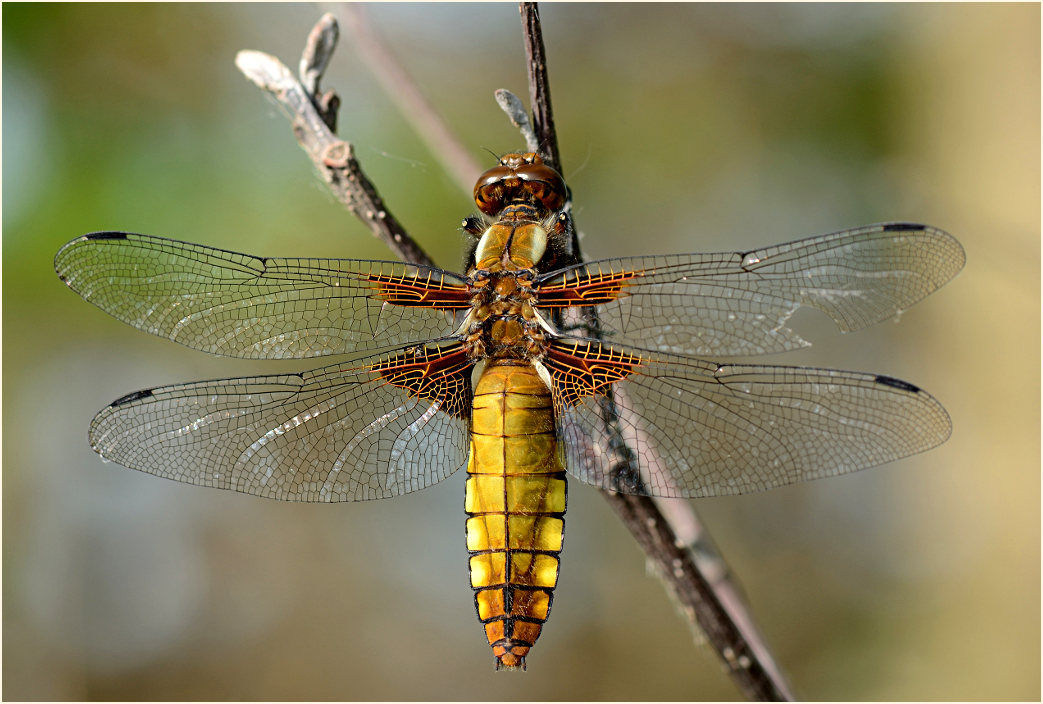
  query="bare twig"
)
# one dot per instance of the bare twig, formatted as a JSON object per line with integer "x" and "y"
{"x": 318, "y": 50}
{"x": 312, "y": 116}
{"x": 681, "y": 548}
{"x": 515, "y": 110}
{"x": 539, "y": 85}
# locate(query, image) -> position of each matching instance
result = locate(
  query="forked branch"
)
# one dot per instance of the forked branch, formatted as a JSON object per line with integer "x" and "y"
{"x": 314, "y": 116}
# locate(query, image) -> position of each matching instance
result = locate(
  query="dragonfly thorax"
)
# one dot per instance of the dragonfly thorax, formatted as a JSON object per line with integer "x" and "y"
{"x": 503, "y": 321}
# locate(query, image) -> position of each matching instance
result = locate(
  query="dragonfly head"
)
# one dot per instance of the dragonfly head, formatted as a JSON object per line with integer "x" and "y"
{"x": 520, "y": 178}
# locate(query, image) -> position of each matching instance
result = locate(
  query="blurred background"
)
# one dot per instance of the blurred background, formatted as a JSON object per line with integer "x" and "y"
{"x": 684, "y": 128}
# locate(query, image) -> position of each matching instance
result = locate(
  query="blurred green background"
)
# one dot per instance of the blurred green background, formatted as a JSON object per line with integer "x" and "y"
{"x": 684, "y": 128}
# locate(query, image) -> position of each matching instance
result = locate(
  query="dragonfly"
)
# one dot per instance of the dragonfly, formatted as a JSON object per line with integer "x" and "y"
{"x": 530, "y": 367}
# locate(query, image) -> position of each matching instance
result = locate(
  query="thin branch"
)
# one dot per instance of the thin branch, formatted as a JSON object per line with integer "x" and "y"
{"x": 539, "y": 85}
{"x": 691, "y": 567}
{"x": 519, "y": 117}
{"x": 318, "y": 51}
{"x": 312, "y": 115}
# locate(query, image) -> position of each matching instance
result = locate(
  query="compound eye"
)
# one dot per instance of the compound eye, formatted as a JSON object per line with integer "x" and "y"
{"x": 520, "y": 177}
{"x": 489, "y": 191}
{"x": 545, "y": 184}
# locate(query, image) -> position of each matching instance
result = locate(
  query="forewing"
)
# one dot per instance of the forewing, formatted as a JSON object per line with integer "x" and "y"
{"x": 699, "y": 429}
{"x": 738, "y": 303}
{"x": 239, "y": 305}
{"x": 371, "y": 428}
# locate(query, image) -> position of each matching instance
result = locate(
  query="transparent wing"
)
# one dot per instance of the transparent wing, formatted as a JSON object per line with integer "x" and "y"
{"x": 239, "y": 305}
{"x": 738, "y": 303}
{"x": 346, "y": 432}
{"x": 702, "y": 429}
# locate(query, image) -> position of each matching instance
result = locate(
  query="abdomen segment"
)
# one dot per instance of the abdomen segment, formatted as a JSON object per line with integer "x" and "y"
{"x": 515, "y": 502}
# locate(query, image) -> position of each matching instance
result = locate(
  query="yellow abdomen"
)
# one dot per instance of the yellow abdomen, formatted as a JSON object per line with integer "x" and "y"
{"x": 515, "y": 502}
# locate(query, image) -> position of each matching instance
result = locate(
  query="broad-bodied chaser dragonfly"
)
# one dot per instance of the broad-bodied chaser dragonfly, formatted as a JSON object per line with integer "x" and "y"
{"x": 402, "y": 412}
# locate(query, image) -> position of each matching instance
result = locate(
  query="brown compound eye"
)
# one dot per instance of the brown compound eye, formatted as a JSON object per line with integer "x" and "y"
{"x": 545, "y": 184}
{"x": 489, "y": 193}
{"x": 519, "y": 178}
